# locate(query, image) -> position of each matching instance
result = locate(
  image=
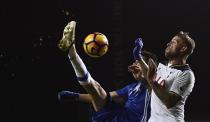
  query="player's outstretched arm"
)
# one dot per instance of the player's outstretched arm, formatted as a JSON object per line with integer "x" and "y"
{"x": 67, "y": 96}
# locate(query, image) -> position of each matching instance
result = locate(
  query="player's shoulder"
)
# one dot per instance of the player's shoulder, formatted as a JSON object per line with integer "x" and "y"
{"x": 185, "y": 67}
{"x": 133, "y": 84}
{"x": 136, "y": 84}
{"x": 129, "y": 85}
{"x": 184, "y": 71}
{"x": 176, "y": 70}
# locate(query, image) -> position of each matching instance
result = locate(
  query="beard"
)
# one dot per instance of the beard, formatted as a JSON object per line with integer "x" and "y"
{"x": 171, "y": 54}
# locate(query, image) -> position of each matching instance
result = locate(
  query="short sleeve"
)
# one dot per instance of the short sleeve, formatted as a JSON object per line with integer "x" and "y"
{"x": 183, "y": 83}
{"x": 124, "y": 91}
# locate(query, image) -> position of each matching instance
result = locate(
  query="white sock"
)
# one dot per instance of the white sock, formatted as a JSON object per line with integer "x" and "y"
{"x": 83, "y": 76}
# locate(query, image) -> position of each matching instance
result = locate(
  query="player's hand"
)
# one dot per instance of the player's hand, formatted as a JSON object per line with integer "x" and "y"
{"x": 135, "y": 70}
{"x": 67, "y": 96}
{"x": 68, "y": 36}
{"x": 151, "y": 73}
{"x": 137, "y": 49}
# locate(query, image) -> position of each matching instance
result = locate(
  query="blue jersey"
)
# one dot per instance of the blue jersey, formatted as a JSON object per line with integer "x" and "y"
{"x": 135, "y": 109}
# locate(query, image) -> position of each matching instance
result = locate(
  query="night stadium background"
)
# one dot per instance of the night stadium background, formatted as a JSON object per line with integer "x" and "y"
{"x": 33, "y": 69}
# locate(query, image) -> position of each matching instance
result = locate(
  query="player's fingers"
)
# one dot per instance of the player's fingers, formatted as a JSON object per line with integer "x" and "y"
{"x": 134, "y": 69}
{"x": 130, "y": 69}
{"x": 133, "y": 66}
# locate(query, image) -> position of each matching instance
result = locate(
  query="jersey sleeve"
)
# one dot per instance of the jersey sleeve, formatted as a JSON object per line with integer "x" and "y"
{"x": 183, "y": 83}
{"x": 124, "y": 92}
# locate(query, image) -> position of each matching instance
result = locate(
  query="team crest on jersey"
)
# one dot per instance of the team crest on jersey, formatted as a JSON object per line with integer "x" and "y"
{"x": 163, "y": 74}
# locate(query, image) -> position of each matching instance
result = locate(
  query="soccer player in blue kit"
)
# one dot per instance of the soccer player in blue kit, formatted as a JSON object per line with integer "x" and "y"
{"x": 129, "y": 104}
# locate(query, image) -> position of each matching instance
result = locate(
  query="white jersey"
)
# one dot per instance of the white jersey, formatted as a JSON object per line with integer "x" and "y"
{"x": 179, "y": 80}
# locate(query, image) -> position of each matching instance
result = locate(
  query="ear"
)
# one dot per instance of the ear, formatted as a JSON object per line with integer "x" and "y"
{"x": 183, "y": 49}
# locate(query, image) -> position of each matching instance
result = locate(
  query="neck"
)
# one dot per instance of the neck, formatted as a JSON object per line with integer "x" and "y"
{"x": 177, "y": 62}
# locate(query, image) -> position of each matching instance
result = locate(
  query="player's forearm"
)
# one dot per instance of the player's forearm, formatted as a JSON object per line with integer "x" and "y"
{"x": 85, "y": 98}
{"x": 163, "y": 94}
{"x": 144, "y": 66}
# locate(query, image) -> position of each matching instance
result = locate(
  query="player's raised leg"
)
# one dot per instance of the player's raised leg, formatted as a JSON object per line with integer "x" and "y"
{"x": 92, "y": 87}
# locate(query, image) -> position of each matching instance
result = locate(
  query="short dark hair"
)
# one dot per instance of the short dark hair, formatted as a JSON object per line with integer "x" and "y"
{"x": 147, "y": 55}
{"x": 190, "y": 43}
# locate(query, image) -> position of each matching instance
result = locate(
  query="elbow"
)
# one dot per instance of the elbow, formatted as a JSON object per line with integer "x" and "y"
{"x": 170, "y": 104}
{"x": 172, "y": 101}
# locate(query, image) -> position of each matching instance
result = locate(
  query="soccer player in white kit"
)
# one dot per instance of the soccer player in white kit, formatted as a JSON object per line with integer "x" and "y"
{"x": 172, "y": 83}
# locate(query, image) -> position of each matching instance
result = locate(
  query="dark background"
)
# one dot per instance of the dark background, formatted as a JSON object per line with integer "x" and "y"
{"x": 33, "y": 69}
